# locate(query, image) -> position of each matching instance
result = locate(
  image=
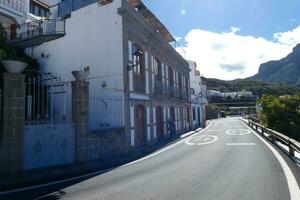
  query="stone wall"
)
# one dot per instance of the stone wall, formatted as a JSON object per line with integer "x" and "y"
{"x": 12, "y": 123}
{"x": 103, "y": 144}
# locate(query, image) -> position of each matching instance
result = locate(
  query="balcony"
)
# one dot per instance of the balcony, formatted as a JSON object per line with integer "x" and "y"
{"x": 35, "y": 33}
{"x": 139, "y": 84}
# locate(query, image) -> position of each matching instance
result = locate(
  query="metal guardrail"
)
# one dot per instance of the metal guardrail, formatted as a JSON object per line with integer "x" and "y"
{"x": 275, "y": 136}
{"x": 35, "y": 28}
{"x": 1, "y": 107}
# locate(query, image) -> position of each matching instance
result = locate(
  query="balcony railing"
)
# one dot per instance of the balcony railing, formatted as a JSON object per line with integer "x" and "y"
{"x": 139, "y": 84}
{"x": 35, "y": 32}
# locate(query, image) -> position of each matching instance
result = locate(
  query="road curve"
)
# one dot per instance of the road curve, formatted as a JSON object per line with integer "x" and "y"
{"x": 225, "y": 161}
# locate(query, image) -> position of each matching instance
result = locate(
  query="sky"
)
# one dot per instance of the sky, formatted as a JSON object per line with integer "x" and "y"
{"x": 229, "y": 39}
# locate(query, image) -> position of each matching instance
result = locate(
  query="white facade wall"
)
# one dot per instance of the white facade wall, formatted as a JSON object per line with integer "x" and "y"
{"x": 93, "y": 38}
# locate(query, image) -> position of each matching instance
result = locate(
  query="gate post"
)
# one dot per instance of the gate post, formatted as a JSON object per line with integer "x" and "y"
{"x": 11, "y": 140}
{"x": 80, "y": 100}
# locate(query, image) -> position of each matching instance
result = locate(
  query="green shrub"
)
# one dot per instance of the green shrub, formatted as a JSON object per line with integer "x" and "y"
{"x": 281, "y": 114}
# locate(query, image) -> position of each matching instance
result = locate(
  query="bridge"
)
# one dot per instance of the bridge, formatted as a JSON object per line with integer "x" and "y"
{"x": 227, "y": 160}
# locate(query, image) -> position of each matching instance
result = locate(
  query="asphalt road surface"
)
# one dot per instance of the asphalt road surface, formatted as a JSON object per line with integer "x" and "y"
{"x": 225, "y": 161}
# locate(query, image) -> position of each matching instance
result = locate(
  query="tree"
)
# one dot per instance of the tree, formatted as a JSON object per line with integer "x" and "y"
{"x": 281, "y": 114}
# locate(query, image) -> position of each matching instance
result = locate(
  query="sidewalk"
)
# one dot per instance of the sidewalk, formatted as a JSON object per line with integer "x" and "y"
{"x": 37, "y": 177}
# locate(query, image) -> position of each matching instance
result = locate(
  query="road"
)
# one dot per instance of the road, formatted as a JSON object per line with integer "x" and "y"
{"x": 225, "y": 161}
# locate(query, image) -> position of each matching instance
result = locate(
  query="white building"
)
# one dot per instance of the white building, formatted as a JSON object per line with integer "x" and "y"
{"x": 130, "y": 58}
{"x": 16, "y": 12}
{"x": 198, "y": 97}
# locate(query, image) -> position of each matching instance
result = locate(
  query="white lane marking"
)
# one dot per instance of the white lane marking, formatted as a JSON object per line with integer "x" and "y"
{"x": 240, "y": 144}
{"x": 201, "y": 140}
{"x": 292, "y": 183}
{"x": 166, "y": 148}
{"x": 238, "y": 132}
{"x": 99, "y": 172}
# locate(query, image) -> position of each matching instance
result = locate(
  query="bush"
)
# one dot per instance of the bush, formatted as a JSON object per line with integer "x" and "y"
{"x": 281, "y": 114}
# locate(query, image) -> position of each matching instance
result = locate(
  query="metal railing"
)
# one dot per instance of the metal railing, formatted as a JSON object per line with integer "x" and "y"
{"x": 106, "y": 112}
{"x": 35, "y": 28}
{"x": 48, "y": 100}
{"x": 272, "y": 135}
{"x": 139, "y": 84}
{"x": 1, "y": 109}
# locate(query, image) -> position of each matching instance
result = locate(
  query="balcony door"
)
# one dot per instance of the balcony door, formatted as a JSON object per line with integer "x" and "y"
{"x": 159, "y": 123}
{"x": 140, "y": 126}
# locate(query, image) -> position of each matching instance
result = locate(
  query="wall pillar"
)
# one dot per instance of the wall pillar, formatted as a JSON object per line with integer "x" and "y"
{"x": 80, "y": 90}
{"x": 11, "y": 139}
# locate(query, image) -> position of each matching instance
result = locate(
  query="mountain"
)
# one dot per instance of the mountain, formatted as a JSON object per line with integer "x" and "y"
{"x": 284, "y": 71}
{"x": 256, "y": 87}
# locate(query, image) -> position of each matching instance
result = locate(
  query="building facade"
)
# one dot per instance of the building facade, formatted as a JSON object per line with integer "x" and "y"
{"x": 198, "y": 97}
{"x": 129, "y": 55}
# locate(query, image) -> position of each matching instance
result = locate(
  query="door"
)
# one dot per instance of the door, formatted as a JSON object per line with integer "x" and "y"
{"x": 13, "y": 31}
{"x": 159, "y": 123}
{"x": 199, "y": 119}
{"x": 140, "y": 128}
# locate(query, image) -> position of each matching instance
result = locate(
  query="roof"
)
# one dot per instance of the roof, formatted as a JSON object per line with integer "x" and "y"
{"x": 152, "y": 19}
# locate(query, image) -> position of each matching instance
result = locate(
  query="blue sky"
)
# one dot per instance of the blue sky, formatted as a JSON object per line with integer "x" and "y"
{"x": 256, "y": 20}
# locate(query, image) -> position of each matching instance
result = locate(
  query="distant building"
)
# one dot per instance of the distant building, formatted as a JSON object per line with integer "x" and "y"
{"x": 16, "y": 12}
{"x": 198, "y": 96}
{"x": 214, "y": 93}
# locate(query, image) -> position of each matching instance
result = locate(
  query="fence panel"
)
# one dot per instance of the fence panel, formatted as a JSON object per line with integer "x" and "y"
{"x": 106, "y": 112}
{"x": 48, "y": 100}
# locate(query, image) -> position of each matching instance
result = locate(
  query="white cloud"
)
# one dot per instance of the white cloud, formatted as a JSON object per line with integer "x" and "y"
{"x": 235, "y": 29}
{"x": 183, "y": 12}
{"x": 229, "y": 55}
{"x": 178, "y": 38}
{"x": 288, "y": 38}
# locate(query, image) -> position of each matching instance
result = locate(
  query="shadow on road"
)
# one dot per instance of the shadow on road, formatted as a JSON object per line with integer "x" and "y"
{"x": 56, "y": 191}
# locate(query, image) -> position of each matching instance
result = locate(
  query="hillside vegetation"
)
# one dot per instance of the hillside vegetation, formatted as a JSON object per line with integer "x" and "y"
{"x": 256, "y": 87}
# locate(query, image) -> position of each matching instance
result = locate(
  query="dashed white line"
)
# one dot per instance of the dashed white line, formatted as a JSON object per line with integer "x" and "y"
{"x": 240, "y": 144}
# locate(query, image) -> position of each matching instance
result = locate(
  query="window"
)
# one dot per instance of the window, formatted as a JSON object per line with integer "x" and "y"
{"x": 194, "y": 114}
{"x": 43, "y": 14}
{"x": 36, "y": 10}
{"x": 180, "y": 81}
{"x": 157, "y": 69}
{"x": 192, "y": 91}
{"x": 171, "y": 77}
{"x": 138, "y": 61}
